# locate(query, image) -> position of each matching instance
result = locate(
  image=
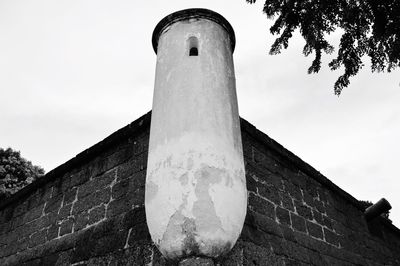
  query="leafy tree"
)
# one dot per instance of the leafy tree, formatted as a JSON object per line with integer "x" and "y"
{"x": 16, "y": 172}
{"x": 370, "y": 28}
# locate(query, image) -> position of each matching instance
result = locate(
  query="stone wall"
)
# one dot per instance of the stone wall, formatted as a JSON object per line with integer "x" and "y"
{"x": 90, "y": 211}
{"x": 304, "y": 218}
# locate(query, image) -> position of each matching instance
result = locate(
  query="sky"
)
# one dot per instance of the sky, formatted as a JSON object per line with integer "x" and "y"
{"x": 73, "y": 72}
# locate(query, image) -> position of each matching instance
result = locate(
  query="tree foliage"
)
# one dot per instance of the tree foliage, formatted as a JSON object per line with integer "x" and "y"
{"x": 370, "y": 28}
{"x": 15, "y": 172}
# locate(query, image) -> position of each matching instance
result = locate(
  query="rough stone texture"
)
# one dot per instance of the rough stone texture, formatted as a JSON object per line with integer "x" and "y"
{"x": 312, "y": 222}
{"x": 197, "y": 262}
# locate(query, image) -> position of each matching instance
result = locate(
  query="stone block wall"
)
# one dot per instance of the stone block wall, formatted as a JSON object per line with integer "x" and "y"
{"x": 302, "y": 217}
{"x": 90, "y": 211}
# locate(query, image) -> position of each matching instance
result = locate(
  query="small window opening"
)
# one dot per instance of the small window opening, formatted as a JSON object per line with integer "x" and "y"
{"x": 193, "y": 51}
{"x": 193, "y": 45}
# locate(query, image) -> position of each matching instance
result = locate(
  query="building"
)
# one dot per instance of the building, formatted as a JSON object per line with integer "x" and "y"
{"x": 93, "y": 210}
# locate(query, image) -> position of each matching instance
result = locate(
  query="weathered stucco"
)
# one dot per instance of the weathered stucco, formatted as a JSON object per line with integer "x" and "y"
{"x": 195, "y": 186}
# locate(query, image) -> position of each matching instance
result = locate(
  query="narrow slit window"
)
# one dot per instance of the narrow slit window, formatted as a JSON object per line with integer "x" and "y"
{"x": 193, "y": 45}
{"x": 193, "y": 51}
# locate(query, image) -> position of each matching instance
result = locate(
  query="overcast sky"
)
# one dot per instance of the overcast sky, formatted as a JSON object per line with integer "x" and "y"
{"x": 73, "y": 72}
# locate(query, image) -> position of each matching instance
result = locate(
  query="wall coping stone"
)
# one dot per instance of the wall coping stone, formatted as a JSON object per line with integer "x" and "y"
{"x": 134, "y": 128}
{"x": 295, "y": 160}
{"x": 307, "y": 169}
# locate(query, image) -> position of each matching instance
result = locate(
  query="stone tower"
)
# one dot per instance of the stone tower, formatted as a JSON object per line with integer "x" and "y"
{"x": 196, "y": 194}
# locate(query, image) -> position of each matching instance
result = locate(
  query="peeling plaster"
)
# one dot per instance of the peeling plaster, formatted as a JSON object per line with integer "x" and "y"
{"x": 184, "y": 179}
{"x": 151, "y": 190}
{"x": 209, "y": 191}
{"x": 203, "y": 208}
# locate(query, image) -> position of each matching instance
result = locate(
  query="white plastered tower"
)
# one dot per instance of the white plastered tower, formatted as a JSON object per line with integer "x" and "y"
{"x": 196, "y": 194}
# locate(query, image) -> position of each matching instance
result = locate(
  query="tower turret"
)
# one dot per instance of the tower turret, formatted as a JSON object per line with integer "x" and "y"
{"x": 195, "y": 186}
